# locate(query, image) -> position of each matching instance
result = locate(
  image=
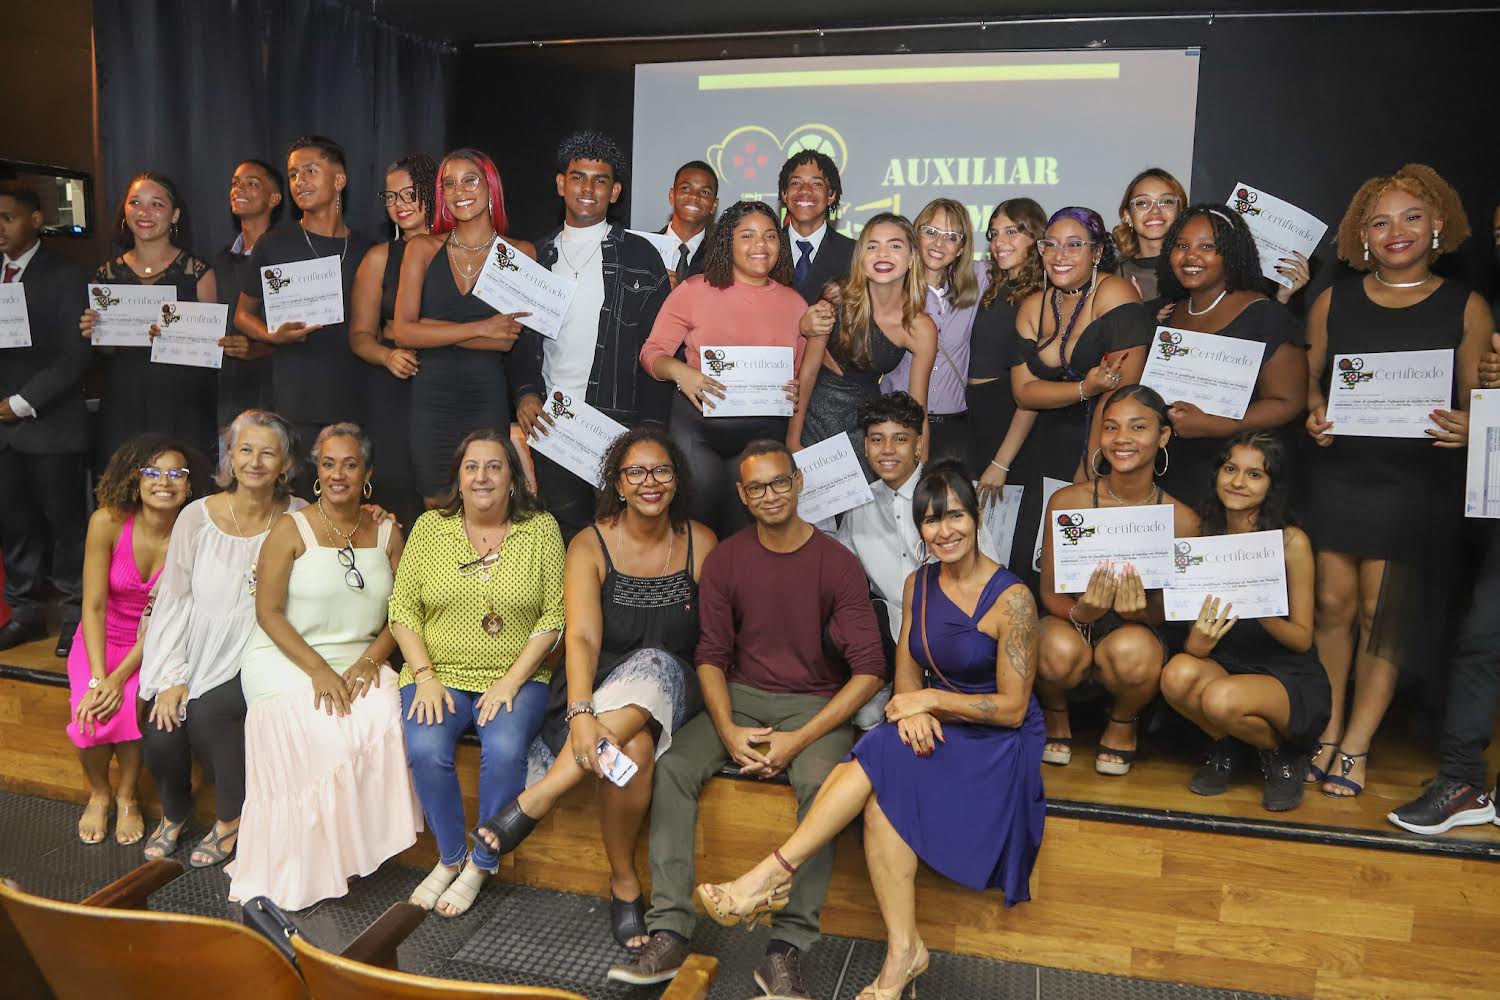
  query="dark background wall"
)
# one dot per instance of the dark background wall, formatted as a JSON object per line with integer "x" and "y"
{"x": 1305, "y": 107}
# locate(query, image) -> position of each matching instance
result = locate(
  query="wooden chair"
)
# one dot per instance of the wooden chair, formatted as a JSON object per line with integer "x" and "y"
{"x": 336, "y": 977}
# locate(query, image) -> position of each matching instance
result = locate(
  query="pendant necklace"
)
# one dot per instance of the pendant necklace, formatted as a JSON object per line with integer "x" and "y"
{"x": 314, "y": 249}
{"x": 468, "y": 271}
{"x": 569, "y": 262}
{"x": 1388, "y": 284}
{"x": 492, "y": 621}
{"x": 1211, "y": 306}
{"x": 249, "y": 570}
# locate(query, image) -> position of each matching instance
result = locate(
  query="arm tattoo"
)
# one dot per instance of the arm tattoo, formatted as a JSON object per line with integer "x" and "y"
{"x": 1020, "y": 632}
{"x": 985, "y": 706}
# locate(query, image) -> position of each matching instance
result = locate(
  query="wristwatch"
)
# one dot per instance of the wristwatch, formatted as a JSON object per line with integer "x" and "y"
{"x": 95, "y": 682}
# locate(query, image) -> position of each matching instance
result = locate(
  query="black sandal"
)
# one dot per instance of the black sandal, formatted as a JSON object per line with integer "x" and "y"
{"x": 510, "y": 826}
{"x": 627, "y": 919}
{"x": 1127, "y": 757}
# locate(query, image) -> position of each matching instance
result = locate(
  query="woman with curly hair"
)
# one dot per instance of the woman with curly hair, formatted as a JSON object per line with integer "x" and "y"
{"x": 1385, "y": 552}
{"x": 743, "y": 298}
{"x": 1210, "y": 278}
{"x": 1148, "y": 209}
{"x": 630, "y": 591}
{"x": 140, "y": 494}
{"x": 409, "y": 198}
{"x": 997, "y": 430}
{"x": 849, "y": 349}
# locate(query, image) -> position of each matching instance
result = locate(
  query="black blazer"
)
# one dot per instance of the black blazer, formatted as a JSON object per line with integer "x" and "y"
{"x": 830, "y": 263}
{"x": 49, "y": 373}
{"x": 695, "y": 262}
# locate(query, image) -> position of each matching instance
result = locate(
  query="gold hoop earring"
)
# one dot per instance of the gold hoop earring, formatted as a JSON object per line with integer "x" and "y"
{"x": 283, "y": 479}
{"x": 317, "y": 487}
{"x": 1166, "y": 461}
{"x": 1094, "y": 463}
{"x": 369, "y": 489}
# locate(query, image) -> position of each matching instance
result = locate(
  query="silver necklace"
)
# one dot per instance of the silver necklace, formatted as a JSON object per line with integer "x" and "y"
{"x": 469, "y": 270}
{"x": 1211, "y": 306}
{"x": 249, "y": 570}
{"x": 315, "y": 250}
{"x": 1151, "y": 498}
{"x": 579, "y": 268}
{"x": 485, "y": 246}
{"x": 1392, "y": 284}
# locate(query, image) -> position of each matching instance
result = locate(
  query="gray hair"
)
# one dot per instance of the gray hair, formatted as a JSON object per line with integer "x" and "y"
{"x": 345, "y": 428}
{"x": 224, "y": 475}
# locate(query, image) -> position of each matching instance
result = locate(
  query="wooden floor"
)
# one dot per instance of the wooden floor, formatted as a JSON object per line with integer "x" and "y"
{"x": 1135, "y": 899}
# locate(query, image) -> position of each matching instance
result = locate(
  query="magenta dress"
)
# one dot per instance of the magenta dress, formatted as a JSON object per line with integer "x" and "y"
{"x": 128, "y": 596}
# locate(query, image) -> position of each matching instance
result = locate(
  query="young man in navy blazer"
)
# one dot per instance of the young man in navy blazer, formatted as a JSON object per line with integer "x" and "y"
{"x": 810, "y": 190}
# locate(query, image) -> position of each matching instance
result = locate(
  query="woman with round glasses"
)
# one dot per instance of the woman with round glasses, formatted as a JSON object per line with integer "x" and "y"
{"x": 955, "y": 283}
{"x": 327, "y": 793}
{"x": 1149, "y": 206}
{"x": 409, "y": 195}
{"x": 631, "y": 595}
{"x": 140, "y": 495}
{"x": 477, "y": 608}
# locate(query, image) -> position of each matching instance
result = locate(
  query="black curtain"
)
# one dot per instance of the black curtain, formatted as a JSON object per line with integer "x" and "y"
{"x": 193, "y": 87}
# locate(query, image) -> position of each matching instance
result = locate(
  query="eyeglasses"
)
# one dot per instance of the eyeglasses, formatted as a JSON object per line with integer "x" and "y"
{"x": 468, "y": 184}
{"x": 406, "y": 194}
{"x": 484, "y": 562}
{"x": 1070, "y": 248}
{"x": 353, "y": 579}
{"x": 933, "y": 232}
{"x": 1146, "y": 203}
{"x": 153, "y": 473}
{"x": 636, "y": 474}
{"x": 781, "y": 484}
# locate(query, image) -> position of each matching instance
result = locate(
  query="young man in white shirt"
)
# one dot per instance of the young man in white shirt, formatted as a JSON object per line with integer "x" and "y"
{"x": 695, "y": 201}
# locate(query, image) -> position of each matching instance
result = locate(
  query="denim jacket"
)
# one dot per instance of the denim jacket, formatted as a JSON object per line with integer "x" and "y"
{"x": 635, "y": 286}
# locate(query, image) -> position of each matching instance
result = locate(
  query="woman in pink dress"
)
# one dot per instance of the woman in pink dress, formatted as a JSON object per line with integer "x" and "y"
{"x": 147, "y": 482}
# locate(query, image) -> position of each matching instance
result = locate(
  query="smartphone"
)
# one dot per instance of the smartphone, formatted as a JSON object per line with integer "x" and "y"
{"x": 617, "y": 767}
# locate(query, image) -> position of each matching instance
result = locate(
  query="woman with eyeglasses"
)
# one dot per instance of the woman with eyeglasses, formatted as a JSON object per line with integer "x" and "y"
{"x": 744, "y": 298}
{"x": 327, "y": 793}
{"x": 203, "y": 612}
{"x": 477, "y": 607}
{"x": 849, "y": 349}
{"x": 1149, "y": 206}
{"x": 409, "y": 195}
{"x": 1083, "y": 334}
{"x": 460, "y": 340}
{"x": 631, "y": 594}
{"x": 140, "y": 495}
{"x": 955, "y": 283}
{"x": 997, "y": 429}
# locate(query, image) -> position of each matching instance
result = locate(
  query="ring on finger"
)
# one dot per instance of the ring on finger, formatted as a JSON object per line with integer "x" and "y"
{"x": 580, "y": 760}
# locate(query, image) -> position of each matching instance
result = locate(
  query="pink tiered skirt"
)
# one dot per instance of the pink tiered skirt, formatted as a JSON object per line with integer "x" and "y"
{"x": 327, "y": 798}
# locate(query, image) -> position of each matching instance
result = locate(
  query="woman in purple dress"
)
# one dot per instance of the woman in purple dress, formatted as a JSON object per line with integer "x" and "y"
{"x": 954, "y": 775}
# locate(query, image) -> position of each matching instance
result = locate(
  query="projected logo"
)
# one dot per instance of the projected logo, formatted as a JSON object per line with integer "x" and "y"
{"x": 169, "y": 314}
{"x": 103, "y": 299}
{"x": 1073, "y": 529}
{"x": 753, "y": 153}
{"x": 274, "y": 281}
{"x": 1182, "y": 557}
{"x": 717, "y": 364}
{"x": 560, "y": 404}
{"x": 1244, "y": 201}
{"x": 1352, "y": 372}
{"x": 1169, "y": 344}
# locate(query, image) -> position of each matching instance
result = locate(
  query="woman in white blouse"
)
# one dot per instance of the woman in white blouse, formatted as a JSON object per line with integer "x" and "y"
{"x": 203, "y": 612}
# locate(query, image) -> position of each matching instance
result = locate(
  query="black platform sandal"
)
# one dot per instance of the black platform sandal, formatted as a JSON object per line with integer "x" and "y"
{"x": 627, "y": 920}
{"x": 1127, "y": 757}
{"x": 510, "y": 827}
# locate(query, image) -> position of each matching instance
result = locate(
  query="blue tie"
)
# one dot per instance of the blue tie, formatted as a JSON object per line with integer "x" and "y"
{"x": 804, "y": 263}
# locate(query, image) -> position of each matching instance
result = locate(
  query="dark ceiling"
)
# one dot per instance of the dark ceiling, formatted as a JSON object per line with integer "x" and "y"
{"x": 468, "y": 22}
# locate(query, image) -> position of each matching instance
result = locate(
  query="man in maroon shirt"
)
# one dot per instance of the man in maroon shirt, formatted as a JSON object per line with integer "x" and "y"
{"x": 788, "y": 651}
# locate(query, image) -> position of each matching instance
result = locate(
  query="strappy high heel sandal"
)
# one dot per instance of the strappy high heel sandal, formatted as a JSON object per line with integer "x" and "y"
{"x": 211, "y": 849}
{"x": 907, "y": 989}
{"x": 1341, "y": 780}
{"x": 1064, "y": 756}
{"x": 163, "y": 841}
{"x": 1127, "y": 757}
{"x": 721, "y": 906}
{"x": 1318, "y": 774}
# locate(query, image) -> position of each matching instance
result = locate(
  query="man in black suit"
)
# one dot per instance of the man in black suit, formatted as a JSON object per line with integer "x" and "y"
{"x": 43, "y": 429}
{"x": 695, "y": 201}
{"x": 810, "y": 190}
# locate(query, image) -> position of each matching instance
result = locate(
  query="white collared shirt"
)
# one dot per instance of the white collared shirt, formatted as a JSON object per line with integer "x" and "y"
{"x": 816, "y": 239}
{"x": 691, "y": 244}
{"x": 18, "y": 404}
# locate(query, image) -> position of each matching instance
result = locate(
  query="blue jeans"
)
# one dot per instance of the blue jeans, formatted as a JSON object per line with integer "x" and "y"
{"x": 504, "y": 743}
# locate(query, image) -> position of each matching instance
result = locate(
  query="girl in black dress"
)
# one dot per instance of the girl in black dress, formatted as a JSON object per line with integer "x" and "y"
{"x": 137, "y": 396}
{"x": 1257, "y": 680}
{"x": 1148, "y": 209}
{"x": 1380, "y": 509}
{"x": 848, "y": 349}
{"x": 1210, "y": 276}
{"x": 997, "y": 429}
{"x": 409, "y": 197}
{"x": 461, "y": 340}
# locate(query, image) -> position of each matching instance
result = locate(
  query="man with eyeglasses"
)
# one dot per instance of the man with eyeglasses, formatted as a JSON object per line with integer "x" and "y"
{"x": 810, "y": 190}
{"x": 788, "y": 651}
{"x": 256, "y": 192}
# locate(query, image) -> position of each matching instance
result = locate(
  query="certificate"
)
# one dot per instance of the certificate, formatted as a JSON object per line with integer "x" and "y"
{"x": 998, "y": 521}
{"x": 665, "y": 244}
{"x": 303, "y": 291}
{"x": 578, "y": 438}
{"x": 1248, "y": 571}
{"x": 832, "y": 480}
{"x": 190, "y": 334}
{"x": 1216, "y": 374}
{"x": 1140, "y": 535}
{"x": 1389, "y": 394}
{"x": 1482, "y": 484}
{"x": 15, "y": 323}
{"x": 1049, "y": 487}
{"x": 126, "y": 313}
{"x": 512, "y": 282}
{"x": 754, "y": 380}
{"x": 1279, "y": 228}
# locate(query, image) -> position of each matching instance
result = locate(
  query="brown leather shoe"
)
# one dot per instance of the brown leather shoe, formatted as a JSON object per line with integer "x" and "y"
{"x": 780, "y": 977}
{"x": 658, "y": 961}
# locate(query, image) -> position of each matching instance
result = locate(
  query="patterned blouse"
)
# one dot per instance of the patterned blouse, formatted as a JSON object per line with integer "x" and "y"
{"x": 446, "y": 607}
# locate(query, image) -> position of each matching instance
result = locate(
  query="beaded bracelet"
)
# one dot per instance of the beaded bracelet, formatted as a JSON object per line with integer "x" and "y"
{"x": 585, "y": 708}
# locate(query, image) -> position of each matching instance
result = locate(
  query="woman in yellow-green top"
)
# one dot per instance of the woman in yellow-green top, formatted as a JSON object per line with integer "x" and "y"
{"x": 477, "y": 605}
